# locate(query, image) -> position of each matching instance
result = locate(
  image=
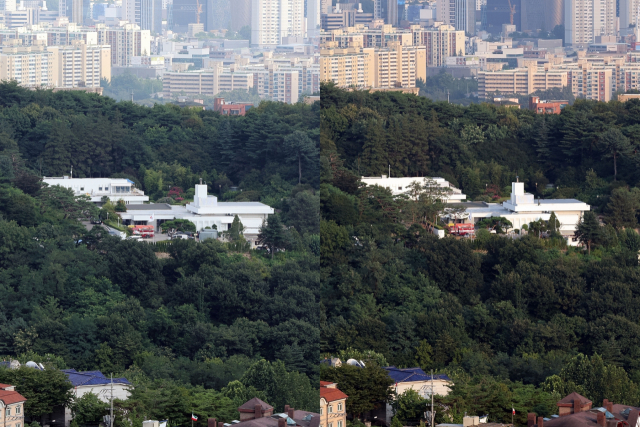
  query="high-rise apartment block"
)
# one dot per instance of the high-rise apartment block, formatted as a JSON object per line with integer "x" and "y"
{"x": 629, "y": 13}
{"x": 460, "y": 14}
{"x": 56, "y": 66}
{"x": 272, "y": 20}
{"x": 584, "y": 20}
{"x": 125, "y": 41}
{"x": 313, "y": 18}
{"x": 392, "y": 66}
{"x": 440, "y": 43}
{"x": 147, "y": 14}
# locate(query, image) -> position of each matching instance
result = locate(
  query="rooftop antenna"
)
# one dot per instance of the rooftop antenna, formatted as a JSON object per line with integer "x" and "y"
{"x": 200, "y": 181}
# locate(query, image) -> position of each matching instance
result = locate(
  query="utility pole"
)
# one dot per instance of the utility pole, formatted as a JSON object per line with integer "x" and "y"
{"x": 111, "y": 413}
{"x": 433, "y": 416}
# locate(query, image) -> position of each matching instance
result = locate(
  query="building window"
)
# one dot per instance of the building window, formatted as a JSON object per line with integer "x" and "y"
{"x": 339, "y": 423}
{"x": 339, "y": 409}
{"x": 81, "y": 188}
{"x": 17, "y": 410}
{"x": 99, "y": 188}
{"x": 8, "y": 411}
{"x": 330, "y": 411}
{"x": 321, "y": 412}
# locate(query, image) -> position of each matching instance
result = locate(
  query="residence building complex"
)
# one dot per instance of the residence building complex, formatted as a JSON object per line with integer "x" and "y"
{"x": 522, "y": 209}
{"x": 204, "y": 211}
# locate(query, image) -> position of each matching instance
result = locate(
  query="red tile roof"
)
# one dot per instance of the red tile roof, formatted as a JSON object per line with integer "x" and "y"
{"x": 5, "y": 385}
{"x": 10, "y": 397}
{"x": 331, "y": 394}
{"x": 325, "y": 383}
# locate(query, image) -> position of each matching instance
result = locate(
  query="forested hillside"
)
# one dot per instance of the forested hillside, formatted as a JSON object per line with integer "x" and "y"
{"x": 508, "y": 319}
{"x": 204, "y": 316}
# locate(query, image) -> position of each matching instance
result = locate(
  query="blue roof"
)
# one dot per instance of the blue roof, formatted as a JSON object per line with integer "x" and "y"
{"x": 91, "y": 378}
{"x": 401, "y": 375}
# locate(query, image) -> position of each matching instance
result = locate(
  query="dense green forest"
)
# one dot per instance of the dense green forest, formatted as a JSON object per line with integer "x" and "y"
{"x": 528, "y": 317}
{"x": 207, "y": 318}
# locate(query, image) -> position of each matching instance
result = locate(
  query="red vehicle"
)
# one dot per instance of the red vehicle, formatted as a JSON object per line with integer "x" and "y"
{"x": 461, "y": 229}
{"x": 145, "y": 231}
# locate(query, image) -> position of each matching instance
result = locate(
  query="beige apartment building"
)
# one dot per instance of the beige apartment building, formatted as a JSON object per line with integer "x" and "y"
{"x": 521, "y": 81}
{"x": 347, "y": 67}
{"x": 29, "y": 66}
{"x": 56, "y": 66}
{"x": 440, "y": 43}
{"x": 392, "y": 66}
{"x": 11, "y": 406}
{"x": 80, "y": 65}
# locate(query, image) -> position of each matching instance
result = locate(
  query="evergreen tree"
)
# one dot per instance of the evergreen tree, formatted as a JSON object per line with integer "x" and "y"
{"x": 374, "y": 153}
{"x": 615, "y": 145}
{"x": 272, "y": 234}
{"x": 302, "y": 149}
{"x": 621, "y": 210}
{"x": 589, "y": 231}
{"x": 553, "y": 225}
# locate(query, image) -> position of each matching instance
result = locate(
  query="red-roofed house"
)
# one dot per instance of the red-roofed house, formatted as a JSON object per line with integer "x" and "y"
{"x": 333, "y": 402}
{"x": 11, "y": 406}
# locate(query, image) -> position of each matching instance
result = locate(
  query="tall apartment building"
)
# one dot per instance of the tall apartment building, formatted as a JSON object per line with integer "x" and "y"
{"x": 325, "y": 6}
{"x": 271, "y": 20}
{"x": 147, "y": 14}
{"x": 55, "y": 66}
{"x": 29, "y": 66}
{"x": 542, "y": 14}
{"x": 440, "y": 43}
{"x": 313, "y": 18}
{"x": 7, "y": 5}
{"x": 387, "y": 67}
{"x": 586, "y": 19}
{"x": 80, "y": 64}
{"x": 346, "y": 67}
{"x": 629, "y": 13}
{"x": 460, "y": 14}
{"x": 125, "y": 41}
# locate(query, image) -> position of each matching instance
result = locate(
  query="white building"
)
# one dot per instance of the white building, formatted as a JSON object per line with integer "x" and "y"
{"x": 401, "y": 186}
{"x": 271, "y": 20}
{"x": 522, "y": 209}
{"x": 204, "y": 211}
{"x": 96, "y": 188}
{"x": 92, "y": 382}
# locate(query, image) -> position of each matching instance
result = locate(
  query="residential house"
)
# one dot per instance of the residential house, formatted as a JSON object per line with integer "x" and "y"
{"x": 333, "y": 403}
{"x": 577, "y": 411}
{"x": 256, "y": 413}
{"x": 11, "y": 407}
